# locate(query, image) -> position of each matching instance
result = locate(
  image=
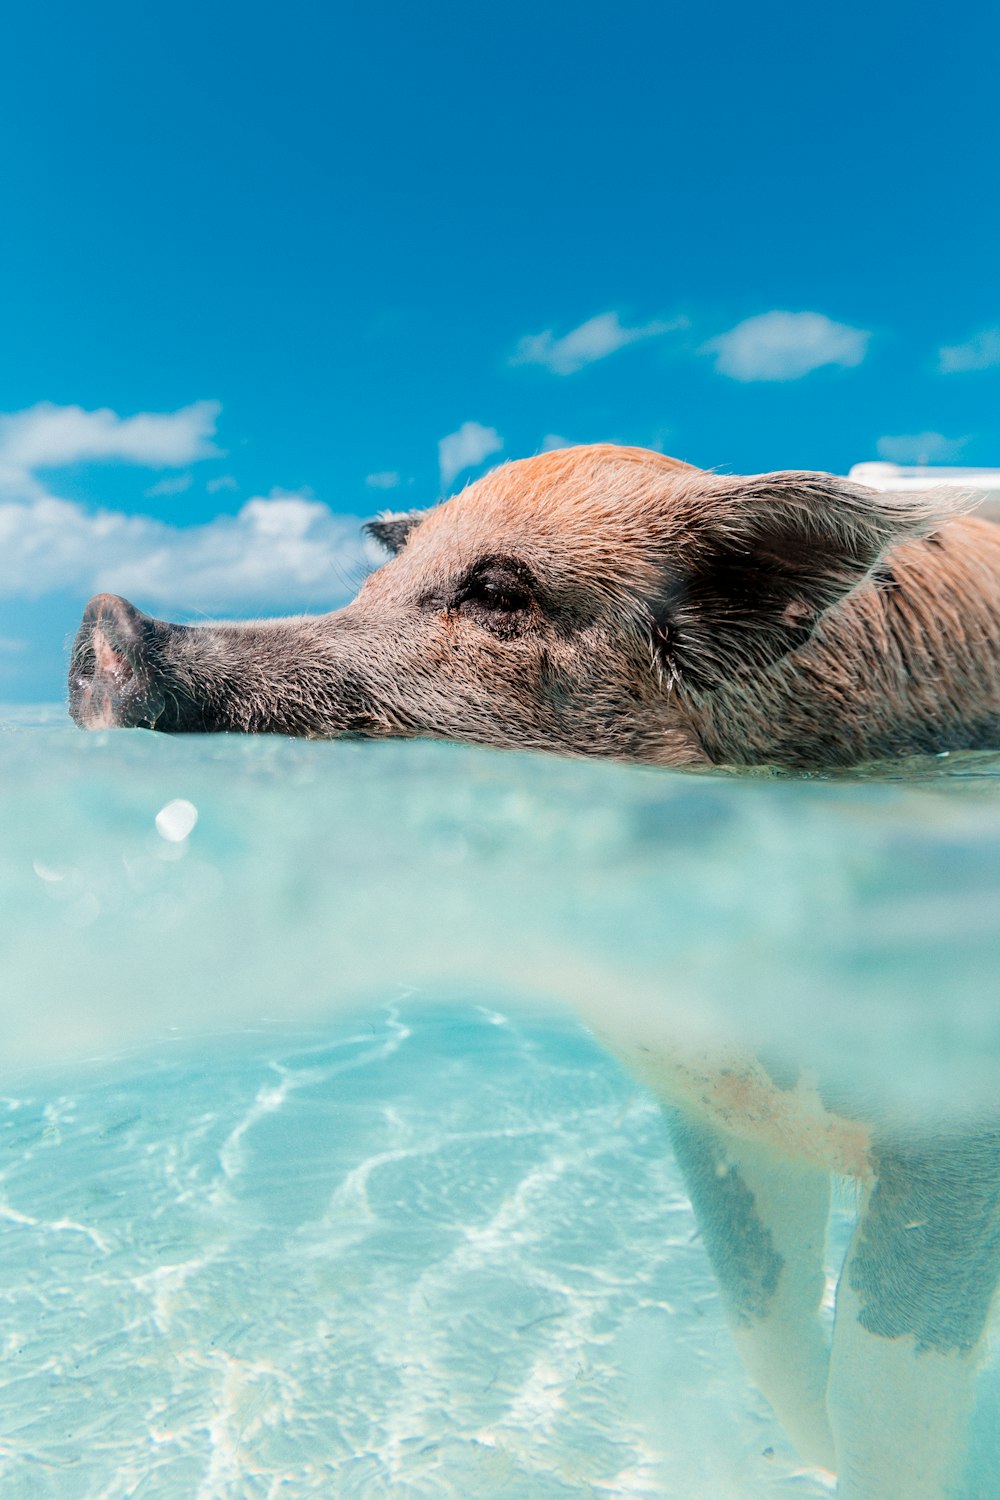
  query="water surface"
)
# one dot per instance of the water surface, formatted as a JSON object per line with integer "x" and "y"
{"x": 313, "y": 1180}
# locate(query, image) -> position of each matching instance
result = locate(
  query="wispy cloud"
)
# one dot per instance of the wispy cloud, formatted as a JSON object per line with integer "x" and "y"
{"x": 50, "y": 437}
{"x": 786, "y": 346}
{"x": 981, "y": 352}
{"x": 174, "y": 484}
{"x": 222, "y": 482}
{"x": 593, "y": 340}
{"x": 281, "y": 551}
{"x": 386, "y": 479}
{"x": 920, "y": 448}
{"x": 466, "y": 449}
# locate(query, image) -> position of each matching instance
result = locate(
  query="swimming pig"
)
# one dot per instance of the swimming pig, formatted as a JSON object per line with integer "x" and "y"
{"x": 609, "y": 601}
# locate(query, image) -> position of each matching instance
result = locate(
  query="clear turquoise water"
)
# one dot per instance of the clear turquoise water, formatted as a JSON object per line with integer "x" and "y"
{"x": 312, "y": 1181}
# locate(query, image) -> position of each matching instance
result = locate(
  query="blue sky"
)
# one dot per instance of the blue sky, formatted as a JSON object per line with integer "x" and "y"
{"x": 265, "y": 270}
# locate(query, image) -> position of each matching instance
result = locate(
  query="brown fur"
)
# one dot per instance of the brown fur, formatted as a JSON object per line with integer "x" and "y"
{"x": 616, "y": 602}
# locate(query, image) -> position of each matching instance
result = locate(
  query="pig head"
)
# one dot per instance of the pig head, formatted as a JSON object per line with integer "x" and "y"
{"x": 608, "y": 601}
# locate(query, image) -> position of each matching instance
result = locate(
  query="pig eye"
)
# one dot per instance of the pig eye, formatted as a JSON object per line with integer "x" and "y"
{"x": 498, "y": 594}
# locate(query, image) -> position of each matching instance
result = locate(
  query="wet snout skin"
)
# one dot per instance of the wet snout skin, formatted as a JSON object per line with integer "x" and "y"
{"x": 613, "y": 602}
{"x": 110, "y": 682}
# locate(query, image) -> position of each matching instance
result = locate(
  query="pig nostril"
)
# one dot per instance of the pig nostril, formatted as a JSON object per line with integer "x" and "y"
{"x": 108, "y": 658}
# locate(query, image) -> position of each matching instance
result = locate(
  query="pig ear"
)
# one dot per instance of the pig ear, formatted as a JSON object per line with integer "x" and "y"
{"x": 758, "y": 560}
{"x": 391, "y": 531}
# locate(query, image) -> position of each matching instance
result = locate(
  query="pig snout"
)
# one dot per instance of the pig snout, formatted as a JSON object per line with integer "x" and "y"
{"x": 305, "y": 675}
{"x": 112, "y": 681}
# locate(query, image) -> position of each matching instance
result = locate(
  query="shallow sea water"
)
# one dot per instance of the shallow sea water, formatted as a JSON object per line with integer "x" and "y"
{"x": 313, "y": 1181}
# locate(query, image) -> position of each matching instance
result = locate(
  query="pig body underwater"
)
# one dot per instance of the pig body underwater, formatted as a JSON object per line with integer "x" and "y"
{"x": 614, "y": 602}
{"x": 608, "y": 601}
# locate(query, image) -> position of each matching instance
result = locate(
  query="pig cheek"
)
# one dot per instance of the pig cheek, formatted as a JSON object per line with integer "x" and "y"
{"x": 500, "y": 676}
{"x": 462, "y": 648}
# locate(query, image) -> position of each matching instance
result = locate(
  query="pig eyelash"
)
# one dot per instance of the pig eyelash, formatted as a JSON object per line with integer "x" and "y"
{"x": 492, "y": 593}
{"x": 499, "y": 570}
{"x": 500, "y": 592}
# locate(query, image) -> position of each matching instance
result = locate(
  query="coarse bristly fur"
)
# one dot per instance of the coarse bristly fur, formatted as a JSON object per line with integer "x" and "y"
{"x": 611, "y": 601}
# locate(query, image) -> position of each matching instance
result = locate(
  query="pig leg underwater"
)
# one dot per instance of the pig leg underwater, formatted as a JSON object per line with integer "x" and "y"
{"x": 912, "y": 1310}
{"x": 889, "y": 1408}
{"x": 763, "y": 1221}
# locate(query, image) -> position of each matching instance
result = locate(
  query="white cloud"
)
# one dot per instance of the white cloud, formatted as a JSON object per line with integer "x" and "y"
{"x": 786, "y": 346}
{"x": 174, "y": 484}
{"x": 920, "y": 448}
{"x": 279, "y": 552}
{"x": 552, "y": 442}
{"x": 222, "y": 482}
{"x": 50, "y": 437}
{"x": 593, "y": 340}
{"x": 386, "y": 479}
{"x": 981, "y": 352}
{"x": 466, "y": 449}
{"x": 285, "y": 551}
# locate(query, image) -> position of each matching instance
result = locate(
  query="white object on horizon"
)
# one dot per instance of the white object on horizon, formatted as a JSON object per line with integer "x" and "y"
{"x": 878, "y": 475}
